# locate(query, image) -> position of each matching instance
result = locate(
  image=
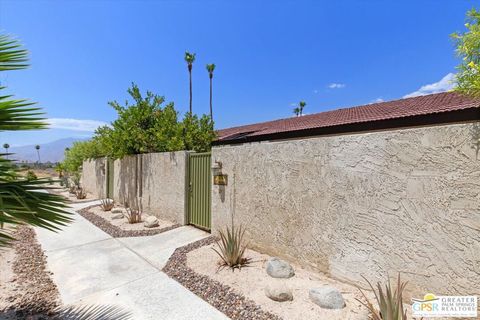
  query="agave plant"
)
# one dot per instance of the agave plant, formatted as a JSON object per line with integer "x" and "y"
{"x": 231, "y": 248}
{"x": 106, "y": 204}
{"x": 390, "y": 304}
{"x": 80, "y": 193}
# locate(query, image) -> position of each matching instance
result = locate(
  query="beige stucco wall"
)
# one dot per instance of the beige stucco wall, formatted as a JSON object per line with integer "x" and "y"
{"x": 157, "y": 180}
{"x": 93, "y": 177}
{"x": 363, "y": 204}
{"x": 163, "y": 184}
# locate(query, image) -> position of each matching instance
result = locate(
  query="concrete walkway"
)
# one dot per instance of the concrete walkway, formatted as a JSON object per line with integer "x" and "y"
{"x": 92, "y": 268}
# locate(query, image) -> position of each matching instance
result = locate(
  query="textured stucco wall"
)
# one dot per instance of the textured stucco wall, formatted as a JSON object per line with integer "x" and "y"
{"x": 155, "y": 179}
{"x": 364, "y": 204}
{"x": 163, "y": 185}
{"x": 93, "y": 177}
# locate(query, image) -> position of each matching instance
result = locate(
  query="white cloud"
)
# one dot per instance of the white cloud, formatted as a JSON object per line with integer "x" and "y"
{"x": 445, "y": 84}
{"x": 337, "y": 85}
{"x": 378, "y": 100}
{"x": 315, "y": 91}
{"x": 75, "y": 124}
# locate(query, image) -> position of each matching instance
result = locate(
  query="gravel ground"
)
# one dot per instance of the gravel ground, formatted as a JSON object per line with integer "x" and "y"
{"x": 252, "y": 280}
{"x": 117, "y": 232}
{"x": 32, "y": 293}
{"x": 221, "y": 296}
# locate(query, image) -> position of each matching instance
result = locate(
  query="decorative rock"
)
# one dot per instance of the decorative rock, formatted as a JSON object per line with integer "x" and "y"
{"x": 327, "y": 297}
{"x": 117, "y": 210}
{"x": 118, "y": 215}
{"x": 278, "y": 268}
{"x": 279, "y": 293}
{"x": 150, "y": 222}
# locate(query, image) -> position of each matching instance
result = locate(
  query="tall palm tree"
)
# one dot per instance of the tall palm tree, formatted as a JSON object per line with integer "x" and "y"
{"x": 22, "y": 201}
{"x": 302, "y": 105}
{"x": 210, "y": 69}
{"x": 189, "y": 59}
{"x": 37, "y": 147}
{"x": 6, "y": 146}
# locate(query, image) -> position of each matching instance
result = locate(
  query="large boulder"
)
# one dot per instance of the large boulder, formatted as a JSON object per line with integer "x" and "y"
{"x": 150, "y": 222}
{"x": 327, "y": 297}
{"x": 278, "y": 268}
{"x": 279, "y": 292}
{"x": 117, "y": 215}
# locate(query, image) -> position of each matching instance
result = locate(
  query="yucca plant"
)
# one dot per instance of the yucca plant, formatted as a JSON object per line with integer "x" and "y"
{"x": 231, "y": 248}
{"x": 106, "y": 204}
{"x": 133, "y": 215}
{"x": 390, "y": 304}
{"x": 134, "y": 212}
{"x": 80, "y": 194}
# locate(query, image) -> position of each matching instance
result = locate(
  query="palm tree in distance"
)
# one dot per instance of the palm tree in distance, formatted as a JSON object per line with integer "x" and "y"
{"x": 302, "y": 105}
{"x": 6, "y": 146}
{"x": 189, "y": 59}
{"x": 296, "y": 111}
{"x": 210, "y": 68}
{"x": 37, "y": 147}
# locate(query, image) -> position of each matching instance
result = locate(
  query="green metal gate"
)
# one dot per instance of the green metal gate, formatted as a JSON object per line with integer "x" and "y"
{"x": 199, "y": 190}
{"x": 109, "y": 178}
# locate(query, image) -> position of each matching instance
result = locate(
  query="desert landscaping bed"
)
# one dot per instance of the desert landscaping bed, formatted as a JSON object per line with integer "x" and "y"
{"x": 221, "y": 296}
{"x": 119, "y": 228}
{"x": 241, "y": 294}
{"x": 71, "y": 198}
{"x": 26, "y": 289}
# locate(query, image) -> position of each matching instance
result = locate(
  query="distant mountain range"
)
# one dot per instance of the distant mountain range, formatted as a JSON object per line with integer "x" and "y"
{"x": 52, "y": 151}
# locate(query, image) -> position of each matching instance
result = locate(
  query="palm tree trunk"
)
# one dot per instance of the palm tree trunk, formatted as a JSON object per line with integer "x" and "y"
{"x": 211, "y": 108}
{"x": 190, "y": 72}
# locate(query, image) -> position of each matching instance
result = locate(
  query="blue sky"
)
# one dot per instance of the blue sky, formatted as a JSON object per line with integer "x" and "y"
{"x": 269, "y": 55}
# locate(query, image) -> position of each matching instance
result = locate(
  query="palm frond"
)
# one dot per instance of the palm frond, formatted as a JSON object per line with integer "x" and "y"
{"x": 17, "y": 114}
{"x": 12, "y": 57}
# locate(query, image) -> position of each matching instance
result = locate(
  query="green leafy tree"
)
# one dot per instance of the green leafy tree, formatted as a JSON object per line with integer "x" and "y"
{"x": 468, "y": 48}
{"x": 189, "y": 59}
{"x": 144, "y": 124}
{"x": 23, "y": 201}
{"x": 134, "y": 131}
{"x": 198, "y": 132}
{"x": 210, "y": 69}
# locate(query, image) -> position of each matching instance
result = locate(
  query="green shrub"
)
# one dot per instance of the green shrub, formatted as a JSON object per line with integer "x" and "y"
{"x": 31, "y": 175}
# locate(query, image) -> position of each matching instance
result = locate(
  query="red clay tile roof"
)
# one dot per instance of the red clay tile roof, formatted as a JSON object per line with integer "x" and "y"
{"x": 403, "y": 108}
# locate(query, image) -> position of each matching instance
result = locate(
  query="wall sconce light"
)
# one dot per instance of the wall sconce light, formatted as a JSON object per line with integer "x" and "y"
{"x": 218, "y": 177}
{"x": 217, "y": 168}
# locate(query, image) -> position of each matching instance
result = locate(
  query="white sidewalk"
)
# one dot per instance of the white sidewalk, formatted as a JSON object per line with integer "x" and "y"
{"x": 92, "y": 268}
